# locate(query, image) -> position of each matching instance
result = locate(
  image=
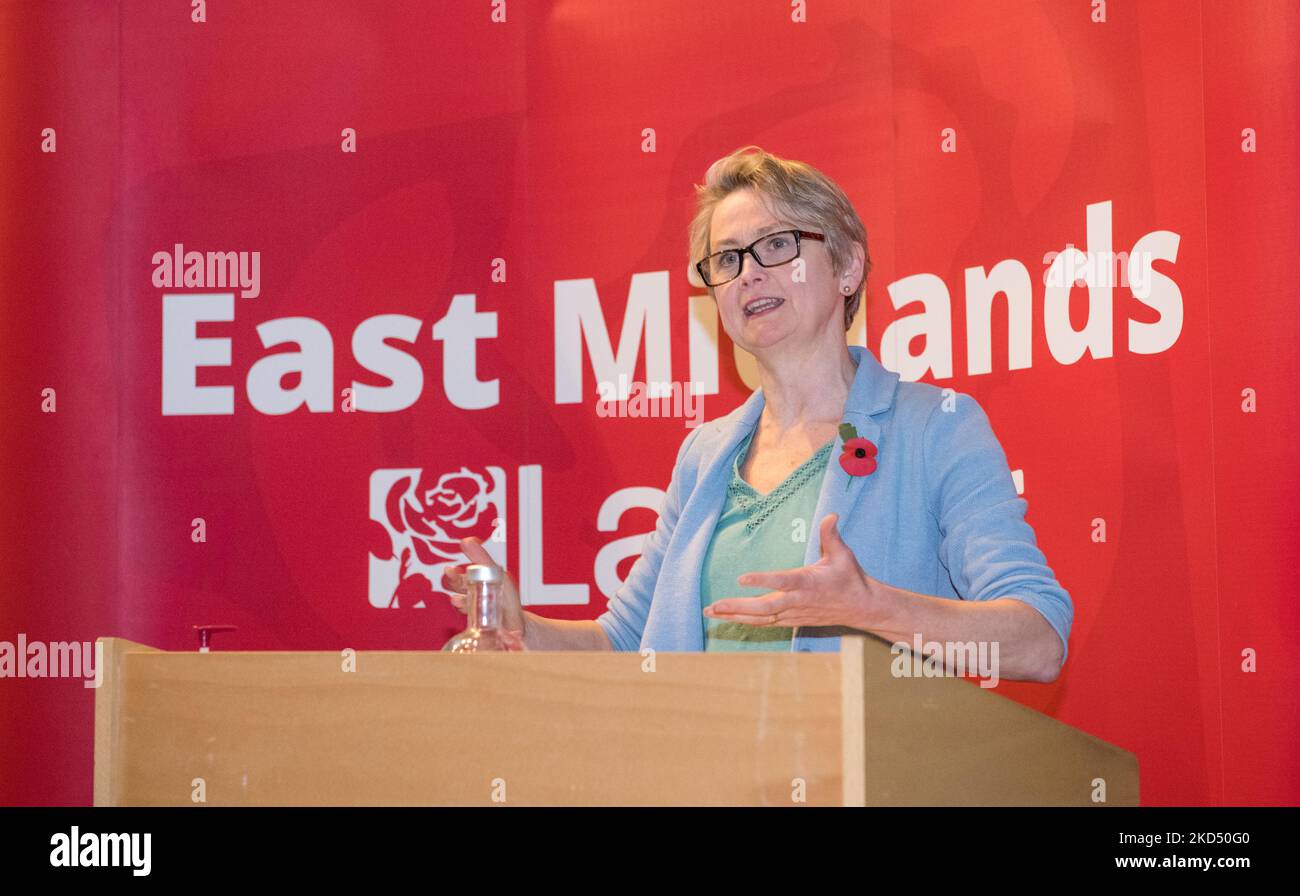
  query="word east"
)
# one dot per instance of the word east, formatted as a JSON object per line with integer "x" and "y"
{"x": 311, "y": 366}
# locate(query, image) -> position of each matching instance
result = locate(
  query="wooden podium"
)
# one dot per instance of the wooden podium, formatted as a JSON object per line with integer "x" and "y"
{"x": 577, "y": 728}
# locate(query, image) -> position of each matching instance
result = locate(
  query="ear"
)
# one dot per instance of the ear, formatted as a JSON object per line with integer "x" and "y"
{"x": 857, "y": 263}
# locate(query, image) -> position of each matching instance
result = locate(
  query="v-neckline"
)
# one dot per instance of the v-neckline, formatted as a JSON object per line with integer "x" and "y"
{"x": 762, "y": 497}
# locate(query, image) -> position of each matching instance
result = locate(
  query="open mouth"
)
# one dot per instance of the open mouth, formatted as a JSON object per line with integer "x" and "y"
{"x": 763, "y": 305}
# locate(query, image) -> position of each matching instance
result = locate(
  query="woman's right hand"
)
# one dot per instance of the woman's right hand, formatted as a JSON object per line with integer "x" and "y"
{"x": 453, "y": 581}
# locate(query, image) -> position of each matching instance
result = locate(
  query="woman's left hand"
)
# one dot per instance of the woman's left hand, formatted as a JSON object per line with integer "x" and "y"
{"x": 833, "y": 591}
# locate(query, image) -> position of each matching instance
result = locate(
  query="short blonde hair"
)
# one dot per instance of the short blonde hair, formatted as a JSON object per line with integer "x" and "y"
{"x": 795, "y": 191}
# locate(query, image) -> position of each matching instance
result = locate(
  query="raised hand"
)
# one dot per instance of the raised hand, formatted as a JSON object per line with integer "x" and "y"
{"x": 513, "y": 621}
{"x": 833, "y": 591}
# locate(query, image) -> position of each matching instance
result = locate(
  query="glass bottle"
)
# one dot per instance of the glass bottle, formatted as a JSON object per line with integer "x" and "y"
{"x": 483, "y": 603}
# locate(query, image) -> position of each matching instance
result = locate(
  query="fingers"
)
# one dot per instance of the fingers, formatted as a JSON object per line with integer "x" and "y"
{"x": 830, "y": 533}
{"x": 762, "y": 611}
{"x": 454, "y": 580}
{"x": 830, "y": 525}
{"x": 474, "y": 550}
{"x": 743, "y": 619}
{"x": 456, "y": 585}
{"x": 777, "y": 580}
{"x": 741, "y": 609}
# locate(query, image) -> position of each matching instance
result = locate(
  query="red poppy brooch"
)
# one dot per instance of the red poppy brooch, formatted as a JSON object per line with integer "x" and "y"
{"x": 859, "y": 457}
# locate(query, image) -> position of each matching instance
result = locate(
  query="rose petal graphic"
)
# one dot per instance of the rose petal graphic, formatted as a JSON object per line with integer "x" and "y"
{"x": 391, "y": 501}
{"x": 413, "y": 522}
{"x": 381, "y": 543}
{"x": 424, "y": 552}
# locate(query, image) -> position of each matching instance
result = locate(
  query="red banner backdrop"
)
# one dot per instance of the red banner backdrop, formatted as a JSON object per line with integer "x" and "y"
{"x": 449, "y": 223}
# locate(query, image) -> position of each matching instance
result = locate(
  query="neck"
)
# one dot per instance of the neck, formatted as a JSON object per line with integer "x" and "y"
{"x": 806, "y": 387}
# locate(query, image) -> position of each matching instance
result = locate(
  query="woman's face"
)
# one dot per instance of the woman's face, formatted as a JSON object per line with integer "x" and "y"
{"x": 811, "y": 303}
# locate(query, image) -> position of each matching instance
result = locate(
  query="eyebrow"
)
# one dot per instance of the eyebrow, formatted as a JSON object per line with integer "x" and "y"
{"x": 771, "y": 228}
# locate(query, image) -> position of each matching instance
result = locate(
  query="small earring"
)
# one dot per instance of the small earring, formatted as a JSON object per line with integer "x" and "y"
{"x": 848, "y": 289}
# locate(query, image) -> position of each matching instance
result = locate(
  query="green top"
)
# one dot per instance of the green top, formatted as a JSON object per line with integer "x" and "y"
{"x": 758, "y": 533}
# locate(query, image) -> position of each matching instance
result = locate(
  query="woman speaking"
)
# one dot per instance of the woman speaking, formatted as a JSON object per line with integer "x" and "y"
{"x": 836, "y": 498}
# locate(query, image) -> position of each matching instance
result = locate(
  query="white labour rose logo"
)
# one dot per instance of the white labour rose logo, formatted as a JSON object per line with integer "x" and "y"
{"x": 430, "y": 526}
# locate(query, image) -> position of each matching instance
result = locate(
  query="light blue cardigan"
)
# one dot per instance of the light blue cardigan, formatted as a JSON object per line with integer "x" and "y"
{"x": 939, "y": 516}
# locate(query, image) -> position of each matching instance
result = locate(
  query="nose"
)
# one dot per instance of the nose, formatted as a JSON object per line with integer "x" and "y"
{"x": 750, "y": 268}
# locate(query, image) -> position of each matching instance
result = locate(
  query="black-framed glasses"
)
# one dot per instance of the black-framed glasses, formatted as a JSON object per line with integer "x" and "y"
{"x": 769, "y": 251}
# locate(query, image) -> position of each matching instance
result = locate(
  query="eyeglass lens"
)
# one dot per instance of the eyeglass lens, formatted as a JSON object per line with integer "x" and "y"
{"x": 773, "y": 249}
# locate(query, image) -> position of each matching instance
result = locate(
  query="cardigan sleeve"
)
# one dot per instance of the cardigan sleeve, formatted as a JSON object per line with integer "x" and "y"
{"x": 987, "y": 547}
{"x": 624, "y": 619}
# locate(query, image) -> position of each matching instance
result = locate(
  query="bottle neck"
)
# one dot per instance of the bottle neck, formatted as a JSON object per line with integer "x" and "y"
{"x": 486, "y": 610}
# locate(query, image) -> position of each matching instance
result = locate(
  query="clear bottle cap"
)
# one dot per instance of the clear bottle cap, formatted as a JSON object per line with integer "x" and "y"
{"x": 478, "y": 572}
